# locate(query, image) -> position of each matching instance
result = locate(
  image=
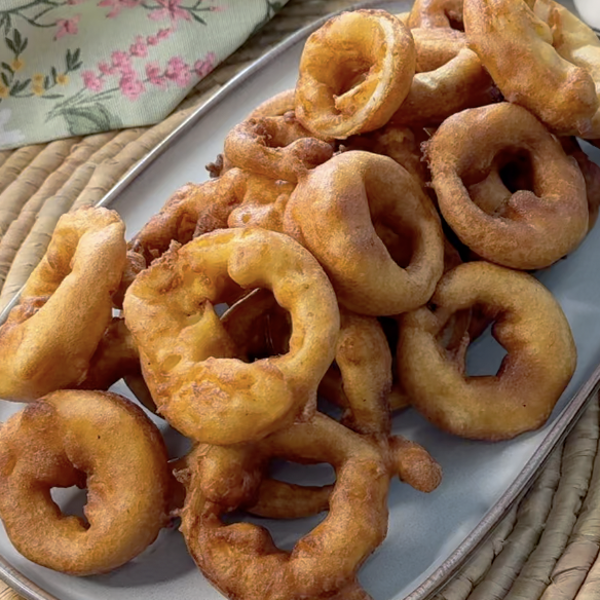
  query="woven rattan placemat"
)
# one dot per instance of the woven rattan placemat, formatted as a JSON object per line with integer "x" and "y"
{"x": 546, "y": 548}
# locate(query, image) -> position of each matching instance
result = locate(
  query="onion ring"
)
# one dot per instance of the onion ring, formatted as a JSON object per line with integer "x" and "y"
{"x": 317, "y": 567}
{"x": 575, "y": 42}
{"x": 532, "y": 228}
{"x": 505, "y": 33}
{"x": 276, "y": 106}
{"x": 236, "y": 199}
{"x": 437, "y": 13}
{"x": 67, "y": 303}
{"x": 220, "y": 400}
{"x": 364, "y": 360}
{"x": 332, "y": 211}
{"x": 449, "y": 78}
{"x": 82, "y": 438}
{"x": 275, "y": 147}
{"x": 400, "y": 143}
{"x": 529, "y": 323}
{"x": 355, "y": 71}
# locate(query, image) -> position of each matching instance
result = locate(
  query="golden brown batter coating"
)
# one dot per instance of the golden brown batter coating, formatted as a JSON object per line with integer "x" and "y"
{"x": 89, "y": 439}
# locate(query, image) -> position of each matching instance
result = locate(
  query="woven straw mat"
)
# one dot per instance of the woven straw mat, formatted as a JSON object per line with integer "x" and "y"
{"x": 548, "y": 545}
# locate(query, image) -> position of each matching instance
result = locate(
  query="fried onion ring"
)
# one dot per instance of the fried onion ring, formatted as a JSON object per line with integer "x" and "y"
{"x": 505, "y": 33}
{"x": 321, "y": 564}
{"x": 94, "y": 439}
{"x": 188, "y": 358}
{"x": 66, "y": 303}
{"x": 332, "y": 212}
{"x": 275, "y": 147}
{"x": 400, "y": 143}
{"x": 276, "y": 106}
{"x": 532, "y": 227}
{"x": 437, "y": 13}
{"x": 364, "y": 360}
{"x": 355, "y": 71}
{"x": 576, "y": 43}
{"x": 449, "y": 78}
{"x": 237, "y": 199}
{"x": 529, "y": 324}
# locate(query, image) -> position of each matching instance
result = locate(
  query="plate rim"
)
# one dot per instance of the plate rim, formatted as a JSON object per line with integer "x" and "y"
{"x": 563, "y": 424}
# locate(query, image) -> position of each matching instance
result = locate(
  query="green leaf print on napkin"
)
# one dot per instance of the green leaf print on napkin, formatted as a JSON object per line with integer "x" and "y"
{"x": 73, "y": 67}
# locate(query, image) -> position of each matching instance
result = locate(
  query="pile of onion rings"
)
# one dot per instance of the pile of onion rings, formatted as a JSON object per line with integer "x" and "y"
{"x": 362, "y": 229}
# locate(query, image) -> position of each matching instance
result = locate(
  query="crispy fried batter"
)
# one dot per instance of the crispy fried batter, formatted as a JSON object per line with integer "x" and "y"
{"x": 526, "y": 228}
{"x": 65, "y": 306}
{"x": 89, "y": 439}
{"x": 333, "y": 211}
{"x": 355, "y": 71}
{"x": 529, "y": 324}
{"x": 506, "y": 33}
{"x": 188, "y": 359}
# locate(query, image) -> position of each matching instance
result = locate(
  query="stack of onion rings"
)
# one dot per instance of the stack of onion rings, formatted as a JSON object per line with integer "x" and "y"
{"x": 320, "y": 230}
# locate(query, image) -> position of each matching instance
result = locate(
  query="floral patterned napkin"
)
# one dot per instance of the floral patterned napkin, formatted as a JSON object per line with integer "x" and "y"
{"x": 74, "y": 67}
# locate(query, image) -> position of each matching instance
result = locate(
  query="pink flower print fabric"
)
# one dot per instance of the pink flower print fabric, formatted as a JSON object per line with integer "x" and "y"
{"x": 75, "y": 67}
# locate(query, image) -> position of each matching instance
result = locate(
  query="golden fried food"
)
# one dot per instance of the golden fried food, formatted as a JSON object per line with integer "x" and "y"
{"x": 321, "y": 563}
{"x": 115, "y": 357}
{"x": 404, "y": 16}
{"x": 529, "y": 324}
{"x": 281, "y": 500}
{"x": 355, "y": 71}
{"x": 505, "y": 33}
{"x": 400, "y": 143}
{"x": 274, "y": 499}
{"x": 178, "y": 218}
{"x": 188, "y": 359}
{"x": 527, "y": 228}
{"x": 449, "y": 78}
{"x": 591, "y": 174}
{"x": 437, "y": 13}
{"x": 89, "y": 439}
{"x": 236, "y": 199}
{"x": 275, "y": 147}
{"x": 436, "y": 47}
{"x": 578, "y": 44}
{"x": 135, "y": 264}
{"x": 50, "y": 337}
{"x": 364, "y": 361}
{"x": 276, "y": 106}
{"x": 332, "y": 212}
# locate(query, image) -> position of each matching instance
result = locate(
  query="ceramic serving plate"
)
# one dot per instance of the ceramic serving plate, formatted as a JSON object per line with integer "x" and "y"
{"x": 429, "y": 535}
